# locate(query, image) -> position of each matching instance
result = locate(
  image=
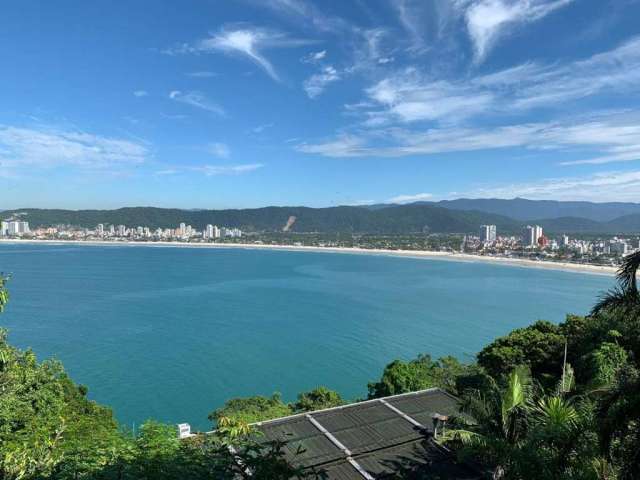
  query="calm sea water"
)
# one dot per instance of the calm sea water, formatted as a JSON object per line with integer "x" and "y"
{"x": 170, "y": 333}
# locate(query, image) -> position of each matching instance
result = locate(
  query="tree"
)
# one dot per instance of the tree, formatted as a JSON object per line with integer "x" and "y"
{"x": 252, "y": 409}
{"x": 539, "y": 347}
{"x": 317, "y": 399}
{"x": 499, "y": 419}
{"x": 418, "y": 374}
{"x": 523, "y": 434}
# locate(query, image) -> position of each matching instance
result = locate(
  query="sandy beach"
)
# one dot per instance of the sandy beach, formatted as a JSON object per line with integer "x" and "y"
{"x": 459, "y": 257}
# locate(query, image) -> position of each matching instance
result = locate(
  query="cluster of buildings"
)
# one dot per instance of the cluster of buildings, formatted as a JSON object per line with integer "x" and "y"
{"x": 14, "y": 228}
{"x": 102, "y": 231}
{"x": 183, "y": 232}
{"x": 534, "y": 239}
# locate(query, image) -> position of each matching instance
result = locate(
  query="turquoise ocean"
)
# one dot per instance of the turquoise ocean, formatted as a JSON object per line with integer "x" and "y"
{"x": 171, "y": 332}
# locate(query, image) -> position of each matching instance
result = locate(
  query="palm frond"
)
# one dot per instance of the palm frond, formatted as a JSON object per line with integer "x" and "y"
{"x": 627, "y": 273}
{"x": 625, "y": 295}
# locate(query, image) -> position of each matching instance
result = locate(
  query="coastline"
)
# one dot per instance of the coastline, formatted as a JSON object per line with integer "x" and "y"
{"x": 425, "y": 255}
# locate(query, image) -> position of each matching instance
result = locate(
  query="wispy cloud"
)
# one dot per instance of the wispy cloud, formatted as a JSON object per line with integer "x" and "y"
{"x": 214, "y": 170}
{"x": 610, "y": 134}
{"x": 140, "y": 93}
{"x": 488, "y": 20}
{"x": 314, "y": 57}
{"x": 52, "y": 147}
{"x": 409, "y": 97}
{"x": 211, "y": 170}
{"x": 220, "y": 150}
{"x": 244, "y": 41}
{"x": 261, "y": 128}
{"x": 306, "y": 13}
{"x": 418, "y": 197}
{"x": 198, "y": 100}
{"x": 600, "y": 187}
{"x": 168, "y": 171}
{"x": 202, "y": 74}
{"x": 316, "y": 83}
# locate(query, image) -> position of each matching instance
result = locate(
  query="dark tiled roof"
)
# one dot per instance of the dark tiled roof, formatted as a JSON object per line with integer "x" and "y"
{"x": 372, "y": 439}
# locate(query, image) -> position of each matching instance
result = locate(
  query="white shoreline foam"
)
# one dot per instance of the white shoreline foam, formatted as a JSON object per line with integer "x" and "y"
{"x": 460, "y": 257}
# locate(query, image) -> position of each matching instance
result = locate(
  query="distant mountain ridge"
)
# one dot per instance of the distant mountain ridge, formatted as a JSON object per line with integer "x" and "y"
{"x": 523, "y": 209}
{"x": 436, "y": 217}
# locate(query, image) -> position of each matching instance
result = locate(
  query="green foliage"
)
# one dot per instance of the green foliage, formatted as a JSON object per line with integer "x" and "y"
{"x": 539, "y": 347}
{"x": 252, "y": 409}
{"x": 606, "y": 361}
{"x": 4, "y": 294}
{"x": 418, "y": 374}
{"x": 317, "y": 399}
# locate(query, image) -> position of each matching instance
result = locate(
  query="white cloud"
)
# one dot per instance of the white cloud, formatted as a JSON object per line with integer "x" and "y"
{"x": 316, "y": 84}
{"x": 168, "y": 171}
{"x": 342, "y": 146}
{"x": 202, "y": 74}
{"x": 214, "y": 170}
{"x": 140, "y": 93}
{"x": 600, "y": 187}
{"x": 261, "y": 128}
{"x": 306, "y": 13}
{"x": 418, "y": 197}
{"x": 487, "y": 20}
{"x": 409, "y": 97}
{"x": 609, "y": 135}
{"x": 220, "y": 150}
{"x": 247, "y": 42}
{"x": 198, "y": 100}
{"x": 314, "y": 57}
{"x": 53, "y": 147}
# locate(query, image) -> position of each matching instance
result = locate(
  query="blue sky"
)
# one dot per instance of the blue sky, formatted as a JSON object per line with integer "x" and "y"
{"x": 217, "y": 104}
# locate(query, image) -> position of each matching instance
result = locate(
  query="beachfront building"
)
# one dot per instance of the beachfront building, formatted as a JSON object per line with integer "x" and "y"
{"x": 487, "y": 233}
{"x": 14, "y": 228}
{"x": 532, "y": 235}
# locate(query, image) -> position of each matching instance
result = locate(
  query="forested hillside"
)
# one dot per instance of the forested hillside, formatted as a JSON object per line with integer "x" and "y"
{"x": 387, "y": 219}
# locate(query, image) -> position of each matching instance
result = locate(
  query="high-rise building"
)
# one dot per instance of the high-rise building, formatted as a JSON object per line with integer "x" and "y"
{"x": 487, "y": 233}
{"x": 122, "y": 230}
{"x": 182, "y": 230}
{"x": 4, "y": 229}
{"x": 100, "y": 229}
{"x": 208, "y": 233}
{"x": 531, "y": 235}
{"x": 565, "y": 240}
{"x": 15, "y": 227}
{"x": 216, "y": 232}
{"x": 618, "y": 247}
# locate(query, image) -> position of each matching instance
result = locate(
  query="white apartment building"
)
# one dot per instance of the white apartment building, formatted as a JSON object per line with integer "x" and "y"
{"x": 14, "y": 228}
{"x": 532, "y": 233}
{"x": 487, "y": 233}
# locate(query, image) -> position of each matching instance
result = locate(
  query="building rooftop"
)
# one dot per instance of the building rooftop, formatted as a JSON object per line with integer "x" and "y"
{"x": 391, "y": 437}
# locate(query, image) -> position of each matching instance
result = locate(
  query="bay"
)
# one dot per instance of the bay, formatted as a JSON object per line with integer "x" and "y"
{"x": 171, "y": 333}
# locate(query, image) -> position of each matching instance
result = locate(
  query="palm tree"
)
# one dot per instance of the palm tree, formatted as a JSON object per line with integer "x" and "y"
{"x": 625, "y": 296}
{"x": 619, "y": 410}
{"x": 499, "y": 420}
{"x": 620, "y": 421}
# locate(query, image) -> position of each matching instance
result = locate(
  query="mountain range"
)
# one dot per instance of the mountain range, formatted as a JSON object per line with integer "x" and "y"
{"x": 448, "y": 216}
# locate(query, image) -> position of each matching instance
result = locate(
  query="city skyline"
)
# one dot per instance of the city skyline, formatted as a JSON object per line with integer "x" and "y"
{"x": 248, "y": 104}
